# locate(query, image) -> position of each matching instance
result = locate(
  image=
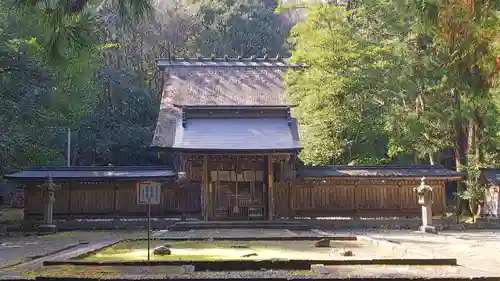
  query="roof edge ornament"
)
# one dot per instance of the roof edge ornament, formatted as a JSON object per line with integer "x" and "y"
{"x": 226, "y": 58}
{"x": 184, "y": 119}
{"x": 266, "y": 57}
{"x": 288, "y": 116}
{"x": 279, "y": 57}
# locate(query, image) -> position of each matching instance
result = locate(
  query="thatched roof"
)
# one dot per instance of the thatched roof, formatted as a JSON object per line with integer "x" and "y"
{"x": 211, "y": 81}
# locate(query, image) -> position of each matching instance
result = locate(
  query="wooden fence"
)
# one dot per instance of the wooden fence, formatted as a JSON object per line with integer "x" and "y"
{"x": 87, "y": 200}
{"x": 361, "y": 199}
{"x": 328, "y": 199}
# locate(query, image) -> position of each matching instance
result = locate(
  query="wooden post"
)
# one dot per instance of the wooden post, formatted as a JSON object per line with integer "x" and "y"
{"x": 270, "y": 186}
{"x": 70, "y": 203}
{"x": 205, "y": 181}
{"x": 442, "y": 185}
{"x": 115, "y": 200}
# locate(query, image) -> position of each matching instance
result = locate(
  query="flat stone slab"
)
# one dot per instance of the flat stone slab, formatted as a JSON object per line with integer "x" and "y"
{"x": 22, "y": 252}
{"x": 233, "y": 233}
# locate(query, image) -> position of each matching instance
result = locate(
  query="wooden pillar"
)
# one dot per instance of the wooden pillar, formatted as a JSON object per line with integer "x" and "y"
{"x": 442, "y": 185}
{"x": 270, "y": 187}
{"x": 115, "y": 199}
{"x": 400, "y": 184}
{"x": 70, "y": 210}
{"x": 205, "y": 187}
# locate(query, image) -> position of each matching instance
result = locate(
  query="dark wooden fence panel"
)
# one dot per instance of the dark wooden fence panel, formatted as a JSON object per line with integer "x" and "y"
{"x": 92, "y": 198}
{"x": 33, "y": 200}
{"x": 126, "y": 199}
{"x": 363, "y": 198}
{"x": 110, "y": 199}
{"x": 331, "y": 199}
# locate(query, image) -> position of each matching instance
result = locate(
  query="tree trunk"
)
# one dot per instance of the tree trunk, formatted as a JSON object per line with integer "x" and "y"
{"x": 431, "y": 158}
{"x": 475, "y": 209}
{"x": 460, "y": 148}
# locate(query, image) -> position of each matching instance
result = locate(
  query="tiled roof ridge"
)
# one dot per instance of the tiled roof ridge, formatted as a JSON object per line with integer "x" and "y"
{"x": 226, "y": 58}
{"x": 232, "y": 106}
{"x": 377, "y": 166}
{"x": 226, "y": 61}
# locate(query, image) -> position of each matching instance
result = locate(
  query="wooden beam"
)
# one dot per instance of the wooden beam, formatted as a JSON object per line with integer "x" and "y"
{"x": 205, "y": 187}
{"x": 270, "y": 187}
{"x": 70, "y": 201}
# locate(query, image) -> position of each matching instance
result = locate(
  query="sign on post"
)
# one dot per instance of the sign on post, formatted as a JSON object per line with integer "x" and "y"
{"x": 148, "y": 193}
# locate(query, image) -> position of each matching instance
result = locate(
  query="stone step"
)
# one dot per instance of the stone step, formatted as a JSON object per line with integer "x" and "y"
{"x": 193, "y": 225}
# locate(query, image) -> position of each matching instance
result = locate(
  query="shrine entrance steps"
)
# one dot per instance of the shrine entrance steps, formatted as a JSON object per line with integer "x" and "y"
{"x": 195, "y": 225}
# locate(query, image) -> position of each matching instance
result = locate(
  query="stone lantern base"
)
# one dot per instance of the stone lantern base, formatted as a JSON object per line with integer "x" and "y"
{"x": 428, "y": 229}
{"x": 45, "y": 229}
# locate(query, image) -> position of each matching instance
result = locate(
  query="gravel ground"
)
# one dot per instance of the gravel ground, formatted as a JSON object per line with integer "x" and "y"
{"x": 476, "y": 251}
{"x": 339, "y": 272}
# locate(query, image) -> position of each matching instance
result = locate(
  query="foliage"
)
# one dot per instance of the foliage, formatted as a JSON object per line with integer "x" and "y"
{"x": 69, "y": 27}
{"x": 391, "y": 78}
{"x": 89, "y": 66}
{"x": 474, "y": 191}
{"x": 340, "y": 96}
{"x": 238, "y": 28}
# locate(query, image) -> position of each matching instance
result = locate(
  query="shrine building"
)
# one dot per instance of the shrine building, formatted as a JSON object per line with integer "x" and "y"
{"x": 230, "y": 147}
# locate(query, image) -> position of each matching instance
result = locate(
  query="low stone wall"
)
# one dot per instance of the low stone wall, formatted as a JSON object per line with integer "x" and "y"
{"x": 340, "y": 224}
{"x": 159, "y": 224}
{"x": 377, "y": 223}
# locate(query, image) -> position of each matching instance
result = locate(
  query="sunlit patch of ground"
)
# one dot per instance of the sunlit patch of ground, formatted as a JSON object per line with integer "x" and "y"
{"x": 257, "y": 250}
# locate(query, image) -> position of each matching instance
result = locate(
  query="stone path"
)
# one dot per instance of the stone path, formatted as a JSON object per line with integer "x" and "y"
{"x": 14, "y": 250}
{"x": 475, "y": 249}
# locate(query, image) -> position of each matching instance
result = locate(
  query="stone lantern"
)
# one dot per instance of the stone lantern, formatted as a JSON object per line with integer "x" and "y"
{"x": 424, "y": 193}
{"x": 48, "y": 226}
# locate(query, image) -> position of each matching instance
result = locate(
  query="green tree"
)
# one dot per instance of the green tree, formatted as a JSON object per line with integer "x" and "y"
{"x": 340, "y": 96}
{"x": 425, "y": 64}
{"x": 237, "y": 28}
{"x": 72, "y": 25}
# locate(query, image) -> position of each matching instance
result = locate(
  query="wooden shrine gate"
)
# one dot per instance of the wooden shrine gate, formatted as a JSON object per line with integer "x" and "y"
{"x": 239, "y": 196}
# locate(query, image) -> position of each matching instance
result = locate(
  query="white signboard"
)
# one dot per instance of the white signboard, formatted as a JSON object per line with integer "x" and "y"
{"x": 148, "y": 193}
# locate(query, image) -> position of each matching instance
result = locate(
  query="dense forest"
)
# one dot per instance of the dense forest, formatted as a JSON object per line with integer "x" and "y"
{"x": 413, "y": 81}
{"x": 89, "y": 66}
